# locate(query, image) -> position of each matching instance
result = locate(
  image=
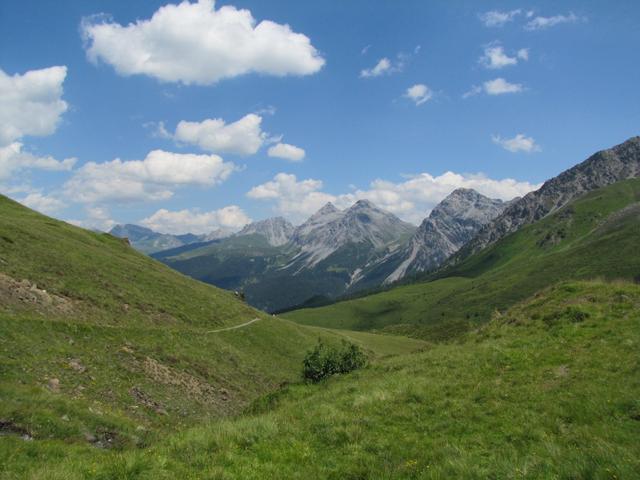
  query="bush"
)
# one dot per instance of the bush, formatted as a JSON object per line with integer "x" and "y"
{"x": 322, "y": 361}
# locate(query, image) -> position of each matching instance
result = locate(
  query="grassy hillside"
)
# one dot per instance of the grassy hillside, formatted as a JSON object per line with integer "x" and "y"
{"x": 100, "y": 344}
{"x": 548, "y": 389}
{"x": 595, "y": 236}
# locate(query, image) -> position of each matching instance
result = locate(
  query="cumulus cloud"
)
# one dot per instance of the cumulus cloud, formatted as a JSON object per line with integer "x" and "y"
{"x": 293, "y": 198}
{"x": 286, "y": 152}
{"x": 500, "y": 86}
{"x": 243, "y": 137}
{"x": 494, "y": 57}
{"x": 195, "y": 43}
{"x": 31, "y": 104}
{"x": 541, "y": 23}
{"x": 496, "y": 18}
{"x": 43, "y": 203}
{"x": 154, "y": 178}
{"x": 419, "y": 93}
{"x": 13, "y": 159}
{"x": 179, "y": 222}
{"x": 411, "y": 199}
{"x": 497, "y": 86}
{"x": 519, "y": 143}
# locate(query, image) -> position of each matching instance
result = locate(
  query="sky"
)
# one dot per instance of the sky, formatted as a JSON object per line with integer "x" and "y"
{"x": 194, "y": 116}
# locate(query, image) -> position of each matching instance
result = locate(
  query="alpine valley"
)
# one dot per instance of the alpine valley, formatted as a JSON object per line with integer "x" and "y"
{"x": 287, "y": 240}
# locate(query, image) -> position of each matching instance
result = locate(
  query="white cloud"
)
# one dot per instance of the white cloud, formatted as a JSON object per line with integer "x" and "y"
{"x": 497, "y": 86}
{"x": 154, "y": 178}
{"x": 500, "y": 86}
{"x": 541, "y": 23}
{"x": 189, "y": 221}
{"x": 383, "y": 67}
{"x": 13, "y": 159}
{"x": 496, "y": 18}
{"x": 519, "y": 143}
{"x": 411, "y": 199}
{"x": 419, "y": 93}
{"x": 43, "y": 203}
{"x": 494, "y": 57}
{"x": 31, "y": 104}
{"x": 295, "y": 199}
{"x": 243, "y": 137}
{"x": 195, "y": 43}
{"x": 287, "y": 152}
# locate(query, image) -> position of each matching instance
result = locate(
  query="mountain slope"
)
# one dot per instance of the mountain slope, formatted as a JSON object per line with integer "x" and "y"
{"x": 549, "y": 389}
{"x": 102, "y": 344}
{"x": 603, "y": 168}
{"x": 594, "y": 236}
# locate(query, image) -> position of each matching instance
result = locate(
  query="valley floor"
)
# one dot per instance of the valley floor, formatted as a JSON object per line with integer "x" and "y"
{"x": 548, "y": 389}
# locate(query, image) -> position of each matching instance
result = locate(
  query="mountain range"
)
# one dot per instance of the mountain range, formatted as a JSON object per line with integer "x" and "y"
{"x": 332, "y": 253}
{"x": 337, "y": 252}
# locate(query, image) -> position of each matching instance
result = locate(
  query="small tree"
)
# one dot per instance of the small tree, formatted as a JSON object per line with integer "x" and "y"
{"x": 322, "y": 361}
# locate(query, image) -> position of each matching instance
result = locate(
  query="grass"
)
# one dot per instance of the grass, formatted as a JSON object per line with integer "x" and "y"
{"x": 102, "y": 345}
{"x": 594, "y": 236}
{"x": 547, "y": 389}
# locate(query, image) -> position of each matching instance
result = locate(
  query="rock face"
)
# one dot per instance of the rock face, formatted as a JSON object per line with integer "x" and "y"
{"x": 330, "y": 229}
{"x": 603, "y": 168}
{"x": 276, "y": 230}
{"x": 450, "y": 225}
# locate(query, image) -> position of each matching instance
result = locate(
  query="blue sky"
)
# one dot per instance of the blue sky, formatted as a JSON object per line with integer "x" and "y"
{"x": 400, "y": 104}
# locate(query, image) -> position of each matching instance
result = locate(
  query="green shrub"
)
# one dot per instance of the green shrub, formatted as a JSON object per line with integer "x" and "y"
{"x": 322, "y": 361}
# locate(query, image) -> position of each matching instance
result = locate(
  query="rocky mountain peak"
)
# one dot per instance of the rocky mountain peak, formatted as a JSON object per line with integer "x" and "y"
{"x": 364, "y": 205}
{"x": 330, "y": 229}
{"x": 327, "y": 209}
{"x": 276, "y": 230}
{"x": 451, "y": 224}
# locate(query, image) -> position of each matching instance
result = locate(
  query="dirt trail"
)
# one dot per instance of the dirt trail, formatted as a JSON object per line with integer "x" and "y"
{"x": 235, "y": 327}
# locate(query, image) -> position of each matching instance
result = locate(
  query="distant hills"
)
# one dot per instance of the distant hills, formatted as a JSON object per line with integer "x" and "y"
{"x": 147, "y": 241}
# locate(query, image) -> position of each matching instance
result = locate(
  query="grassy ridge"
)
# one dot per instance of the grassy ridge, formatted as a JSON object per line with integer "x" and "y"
{"x": 548, "y": 389}
{"x": 595, "y": 236}
{"x": 100, "y": 344}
